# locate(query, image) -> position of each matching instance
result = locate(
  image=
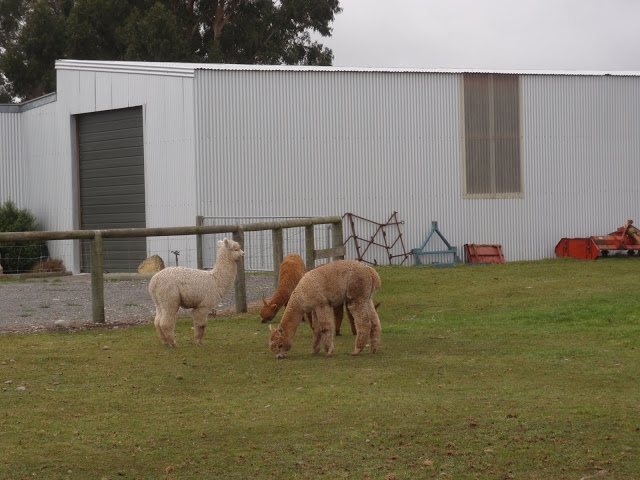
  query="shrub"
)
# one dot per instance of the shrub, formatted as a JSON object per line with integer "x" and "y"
{"x": 19, "y": 257}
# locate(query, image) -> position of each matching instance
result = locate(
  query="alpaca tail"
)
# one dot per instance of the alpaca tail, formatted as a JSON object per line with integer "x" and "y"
{"x": 375, "y": 280}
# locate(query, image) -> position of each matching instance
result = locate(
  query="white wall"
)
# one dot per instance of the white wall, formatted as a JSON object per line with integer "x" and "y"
{"x": 301, "y": 143}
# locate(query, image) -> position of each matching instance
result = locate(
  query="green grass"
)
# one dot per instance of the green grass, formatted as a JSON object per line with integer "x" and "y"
{"x": 527, "y": 370}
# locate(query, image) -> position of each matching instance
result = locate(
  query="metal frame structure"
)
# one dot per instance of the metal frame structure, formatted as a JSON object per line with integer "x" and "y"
{"x": 382, "y": 230}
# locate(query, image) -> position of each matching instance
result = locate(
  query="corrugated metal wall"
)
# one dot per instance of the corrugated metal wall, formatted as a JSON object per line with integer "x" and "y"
{"x": 279, "y": 143}
{"x": 11, "y": 165}
{"x": 582, "y": 147}
{"x": 166, "y": 97}
{"x": 303, "y": 143}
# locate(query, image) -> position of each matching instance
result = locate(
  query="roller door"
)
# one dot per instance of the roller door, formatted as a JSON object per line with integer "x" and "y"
{"x": 111, "y": 178}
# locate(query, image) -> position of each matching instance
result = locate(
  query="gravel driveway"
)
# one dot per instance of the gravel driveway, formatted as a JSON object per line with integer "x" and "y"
{"x": 33, "y": 305}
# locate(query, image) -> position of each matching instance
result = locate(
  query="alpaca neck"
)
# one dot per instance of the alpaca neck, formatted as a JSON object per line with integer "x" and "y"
{"x": 224, "y": 264}
{"x": 279, "y": 298}
{"x": 291, "y": 320}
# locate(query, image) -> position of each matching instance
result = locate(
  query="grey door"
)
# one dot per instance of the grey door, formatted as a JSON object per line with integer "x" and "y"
{"x": 111, "y": 178}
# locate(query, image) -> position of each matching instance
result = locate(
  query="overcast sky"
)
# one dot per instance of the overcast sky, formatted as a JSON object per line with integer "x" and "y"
{"x": 492, "y": 34}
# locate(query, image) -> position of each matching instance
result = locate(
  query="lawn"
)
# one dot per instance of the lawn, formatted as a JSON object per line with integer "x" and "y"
{"x": 527, "y": 370}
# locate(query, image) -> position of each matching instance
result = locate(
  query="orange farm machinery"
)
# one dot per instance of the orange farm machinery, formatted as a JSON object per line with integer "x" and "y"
{"x": 625, "y": 238}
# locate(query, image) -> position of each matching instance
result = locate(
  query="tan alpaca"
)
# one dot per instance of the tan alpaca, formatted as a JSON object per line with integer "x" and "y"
{"x": 322, "y": 289}
{"x": 175, "y": 287}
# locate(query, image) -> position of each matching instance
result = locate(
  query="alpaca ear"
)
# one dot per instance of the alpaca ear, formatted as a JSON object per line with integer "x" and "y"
{"x": 274, "y": 307}
{"x": 272, "y": 328}
{"x": 221, "y": 243}
{"x": 264, "y": 301}
{"x": 280, "y": 331}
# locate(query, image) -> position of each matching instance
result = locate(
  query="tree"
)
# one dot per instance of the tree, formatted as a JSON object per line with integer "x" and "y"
{"x": 34, "y": 33}
{"x": 155, "y": 36}
{"x": 30, "y": 52}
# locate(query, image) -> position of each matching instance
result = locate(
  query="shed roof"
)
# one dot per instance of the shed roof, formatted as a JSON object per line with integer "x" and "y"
{"x": 188, "y": 69}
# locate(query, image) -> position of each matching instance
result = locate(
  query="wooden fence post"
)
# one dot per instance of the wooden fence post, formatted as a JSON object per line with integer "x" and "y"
{"x": 241, "y": 283}
{"x": 199, "y": 259}
{"x": 309, "y": 245}
{"x": 97, "y": 278}
{"x": 278, "y": 252}
{"x": 337, "y": 238}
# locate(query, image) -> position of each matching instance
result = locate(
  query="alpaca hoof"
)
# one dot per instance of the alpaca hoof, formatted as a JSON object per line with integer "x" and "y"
{"x": 338, "y": 333}
{"x": 356, "y": 352}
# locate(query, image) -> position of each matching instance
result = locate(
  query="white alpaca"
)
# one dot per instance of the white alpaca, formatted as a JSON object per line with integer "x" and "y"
{"x": 176, "y": 287}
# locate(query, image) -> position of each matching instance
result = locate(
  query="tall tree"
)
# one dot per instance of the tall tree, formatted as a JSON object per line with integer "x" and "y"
{"x": 31, "y": 50}
{"x": 34, "y": 33}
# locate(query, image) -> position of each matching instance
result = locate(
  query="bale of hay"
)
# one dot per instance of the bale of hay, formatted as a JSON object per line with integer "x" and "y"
{"x": 49, "y": 265}
{"x": 152, "y": 264}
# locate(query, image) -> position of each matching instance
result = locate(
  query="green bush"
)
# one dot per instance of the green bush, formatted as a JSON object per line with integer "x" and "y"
{"x": 19, "y": 257}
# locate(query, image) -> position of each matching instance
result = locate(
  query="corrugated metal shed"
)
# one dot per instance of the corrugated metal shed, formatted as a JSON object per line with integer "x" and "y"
{"x": 271, "y": 141}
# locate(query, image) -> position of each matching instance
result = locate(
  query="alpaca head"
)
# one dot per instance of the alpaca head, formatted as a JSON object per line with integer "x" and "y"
{"x": 278, "y": 343}
{"x": 268, "y": 311}
{"x": 230, "y": 249}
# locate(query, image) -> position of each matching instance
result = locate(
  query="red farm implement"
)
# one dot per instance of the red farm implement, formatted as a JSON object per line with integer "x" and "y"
{"x": 624, "y": 238}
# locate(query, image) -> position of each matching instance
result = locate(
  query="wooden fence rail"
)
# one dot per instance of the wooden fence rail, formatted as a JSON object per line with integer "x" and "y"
{"x": 336, "y": 251}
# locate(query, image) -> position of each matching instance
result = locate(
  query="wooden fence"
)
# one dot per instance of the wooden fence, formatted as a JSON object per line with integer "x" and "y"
{"x": 337, "y": 250}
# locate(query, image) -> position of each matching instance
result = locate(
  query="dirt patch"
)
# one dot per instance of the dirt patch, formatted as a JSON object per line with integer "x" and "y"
{"x": 35, "y": 304}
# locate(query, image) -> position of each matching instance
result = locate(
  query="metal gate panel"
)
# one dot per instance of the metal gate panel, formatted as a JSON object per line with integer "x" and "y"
{"x": 111, "y": 173}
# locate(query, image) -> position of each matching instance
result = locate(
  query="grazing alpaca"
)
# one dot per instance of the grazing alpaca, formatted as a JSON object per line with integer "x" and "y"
{"x": 291, "y": 271}
{"x": 175, "y": 287}
{"x": 322, "y": 289}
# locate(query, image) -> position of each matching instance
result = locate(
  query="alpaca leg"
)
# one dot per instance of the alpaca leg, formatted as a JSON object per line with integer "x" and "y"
{"x": 316, "y": 333}
{"x": 337, "y": 315}
{"x": 362, "y": 320}
{"x": 352, "y": 322}
{"x": 327, "y": 341}
{"x": 165, "y": 322}
{"x": 199, "y": 324}
{"x": 156, "y": 321}
{"x": 310, "y": 319}
{"x": 376, "y": 331}
{"x": 323, "y": 329}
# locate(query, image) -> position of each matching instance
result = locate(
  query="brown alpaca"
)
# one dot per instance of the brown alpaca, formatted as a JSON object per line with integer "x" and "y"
{"x": 291, "y": 271}
{"x": 320, "y": 291}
